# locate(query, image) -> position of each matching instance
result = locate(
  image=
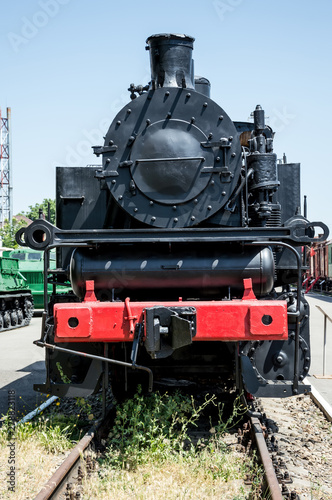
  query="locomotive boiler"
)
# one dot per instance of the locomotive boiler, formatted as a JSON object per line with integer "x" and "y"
{"x": 183, "y": 248}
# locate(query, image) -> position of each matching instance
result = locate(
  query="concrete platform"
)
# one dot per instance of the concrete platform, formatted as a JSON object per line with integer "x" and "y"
{"x": 323, "y": 386}
{"x": 21, "y": 365}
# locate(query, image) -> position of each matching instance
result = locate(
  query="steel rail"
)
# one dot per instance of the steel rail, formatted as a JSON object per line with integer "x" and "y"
{"x": 269, "y": 472}
{"x": 56, "y": 484}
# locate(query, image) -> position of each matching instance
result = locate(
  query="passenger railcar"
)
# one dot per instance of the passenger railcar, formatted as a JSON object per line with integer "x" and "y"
{"x": 318, "y": 276}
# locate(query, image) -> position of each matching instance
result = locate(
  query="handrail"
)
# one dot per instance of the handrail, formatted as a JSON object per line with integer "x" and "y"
{"x": 326, "y": 316}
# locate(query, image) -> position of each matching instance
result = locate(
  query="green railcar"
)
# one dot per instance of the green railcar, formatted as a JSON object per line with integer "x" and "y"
{"x": 16, "y": 302}
{"x": 31, "y": 266}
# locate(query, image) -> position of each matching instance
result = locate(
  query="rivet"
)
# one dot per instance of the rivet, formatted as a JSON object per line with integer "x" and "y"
{"x": 169, "y": 114}
{"x": 209, "y": 207}
{"x": 205, "y": 104}
{"x": 193, "y": 217}
{"x": 120, "y": 197}
{"x": 210, "y": 135}
{"x": 176, "y": 219}
{"x": 148, "y": 122}
{"x": 230, "y": 138}
{"x": 232, "y": 176}
{"x": 212, "y": 183}
{"x": 218, "y": 158}
{"x": 151, "y": 202}
{"x": 188, "y": 95}
{"x": 224, "y": 193}
{"x": 153, "y": 219}
{"x": 193, "y": 119}
{"x": 195, "y": 200}
{"x": 110, "y": 143}
{"x": 221, "y": 117}
{"x": 167, "y": 93}
{"x": 118, "y": 122}
{"x": 113, "y": 181}
{"x": 128, "y": 111}
{"x": 108, "y": 160}
{"x": 135, "y": 209}
{"x": 174, "y": 207}
{"x": 233, "y": 155}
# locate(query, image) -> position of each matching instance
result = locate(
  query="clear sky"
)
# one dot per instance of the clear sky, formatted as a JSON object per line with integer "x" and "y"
{"x": 66, "y": 66}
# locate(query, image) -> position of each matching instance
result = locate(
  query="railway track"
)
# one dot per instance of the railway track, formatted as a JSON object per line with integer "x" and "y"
{"x": 299, "y": 438}
{"x": 60, "y": 484}
{"x": 65, "y": 482}
{"x": 256, "y": 436}
{"x": 273, "y": 442}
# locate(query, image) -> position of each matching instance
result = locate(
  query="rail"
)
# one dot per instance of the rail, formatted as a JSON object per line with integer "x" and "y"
{"x": 269, "y": 471}
{"x": 56, "y": 485}
{"x": 326, "y": 317}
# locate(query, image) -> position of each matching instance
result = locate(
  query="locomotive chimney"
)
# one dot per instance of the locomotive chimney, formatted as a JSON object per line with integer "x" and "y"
{"x": 171, "y": 60}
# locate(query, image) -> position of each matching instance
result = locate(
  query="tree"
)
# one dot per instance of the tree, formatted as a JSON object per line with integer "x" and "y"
{"x": 33, "y": 212}
{"x": 8, "y": 231}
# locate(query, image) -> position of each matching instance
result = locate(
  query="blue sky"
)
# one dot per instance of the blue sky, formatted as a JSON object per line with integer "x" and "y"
{"x": 66, "y": 66}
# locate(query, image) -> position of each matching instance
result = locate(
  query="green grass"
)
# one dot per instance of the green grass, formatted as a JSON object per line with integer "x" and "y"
{"x": 56, "y": 432}
{"x": 152, "y": 452}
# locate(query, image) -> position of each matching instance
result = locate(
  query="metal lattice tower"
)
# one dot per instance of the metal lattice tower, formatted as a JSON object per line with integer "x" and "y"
{"x": 6, "y": 189}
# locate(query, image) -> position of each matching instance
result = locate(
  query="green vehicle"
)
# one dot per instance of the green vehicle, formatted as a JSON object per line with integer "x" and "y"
{"x": 31, "y": 266}
{"x": 16, "y": 302}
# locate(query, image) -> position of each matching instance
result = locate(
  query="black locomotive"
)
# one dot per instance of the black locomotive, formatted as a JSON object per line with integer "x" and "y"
{"x": 183, "y": 249}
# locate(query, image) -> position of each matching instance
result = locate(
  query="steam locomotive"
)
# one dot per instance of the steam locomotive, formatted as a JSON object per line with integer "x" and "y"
{"x": 183, "y": 248}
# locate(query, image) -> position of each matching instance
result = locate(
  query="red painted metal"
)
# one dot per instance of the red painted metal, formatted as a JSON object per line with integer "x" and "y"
{"x": 234, "y": 320}
{"x": 312, "y": 284}
{"x": 130, "y": 317}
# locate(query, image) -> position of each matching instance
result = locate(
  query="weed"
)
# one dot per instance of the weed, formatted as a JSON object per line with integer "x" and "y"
{"x": 55, "y": 433}
{"x": 63, "y": 376}
{"x": 85, "y": 407}
{"x": 157, "y": 428}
